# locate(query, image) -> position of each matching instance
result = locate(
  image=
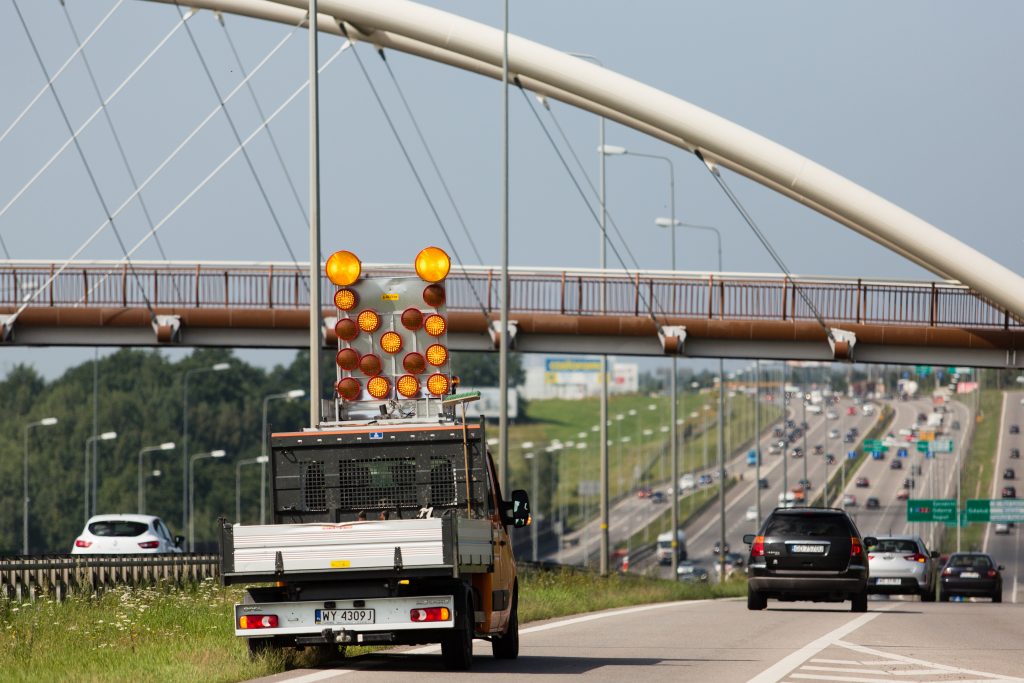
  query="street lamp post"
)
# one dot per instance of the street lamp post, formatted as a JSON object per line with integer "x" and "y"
{"x": 261, "y": 460}
{"x": 167, "y": 446}
{"x": 289, "y": 395}
{"x": 757, "y": 436}
{"x": 45, "y": 422}
{"x": 192, "y": 493}
{"x": 217, "y": 367}
{"x": 105, "y": 436}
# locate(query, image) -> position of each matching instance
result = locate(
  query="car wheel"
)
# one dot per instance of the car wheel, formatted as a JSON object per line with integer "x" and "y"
{"x": 457, "y": 647}
{"x": 928, "y": 595}
{"x": 997, "y": 596}
{"x": 507, "y": 646}
{"x": 756, "y": 600}
{"x": 943, "y": 596}
{"x": 859, "y": 603}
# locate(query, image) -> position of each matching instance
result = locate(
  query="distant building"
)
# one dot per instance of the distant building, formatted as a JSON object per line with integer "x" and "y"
{"x": 576, "y": 377}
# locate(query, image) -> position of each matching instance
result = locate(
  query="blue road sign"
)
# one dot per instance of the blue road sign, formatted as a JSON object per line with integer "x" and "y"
{"x": 851, "y": 455}
{"x": 902, "y": 453}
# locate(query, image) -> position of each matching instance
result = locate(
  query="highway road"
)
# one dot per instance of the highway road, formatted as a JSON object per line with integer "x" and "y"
{"x": 722, "y": 641}
{"x": 704, "y": 530}
{"x": 1006, "y": 549}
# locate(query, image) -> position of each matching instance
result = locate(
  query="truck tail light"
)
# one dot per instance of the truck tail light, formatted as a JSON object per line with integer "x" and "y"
{"x": 82, "y": 543}
{"x": 252, "y": 621}
{"x": 855, "y": 549}
{"x": 149, "y": 545}
{"x": 757, "y": 549}
{"x": 430, "y": 614}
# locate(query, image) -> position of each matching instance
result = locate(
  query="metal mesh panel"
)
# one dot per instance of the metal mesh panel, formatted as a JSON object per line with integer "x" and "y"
{"x": 442, "y": 482}
{"x": 314, "y": 493}
{"x": 377, "y": 483}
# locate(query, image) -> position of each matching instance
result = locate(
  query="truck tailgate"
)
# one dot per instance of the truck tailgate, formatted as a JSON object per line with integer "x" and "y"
{"x": 445, "y": 543}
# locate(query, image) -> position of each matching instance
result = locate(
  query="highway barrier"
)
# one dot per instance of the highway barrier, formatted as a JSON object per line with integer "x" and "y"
{"x": 26, "y": 577}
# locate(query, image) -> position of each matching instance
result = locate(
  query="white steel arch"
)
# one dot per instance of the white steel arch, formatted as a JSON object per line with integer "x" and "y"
{"x": 440, "y": 36}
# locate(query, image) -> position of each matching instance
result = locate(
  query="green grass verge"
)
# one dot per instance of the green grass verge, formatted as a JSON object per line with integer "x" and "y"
{"x": 170, "y": 635}
{"x": 978, "y": 469}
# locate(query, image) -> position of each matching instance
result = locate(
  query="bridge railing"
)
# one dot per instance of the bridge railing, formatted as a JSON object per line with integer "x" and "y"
{"x": 579, "y": 292}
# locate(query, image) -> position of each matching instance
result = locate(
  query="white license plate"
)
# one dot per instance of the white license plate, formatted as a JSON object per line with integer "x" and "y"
{"x": 888, "y": 582}
{"x": 345, "y": 616}
{"x": 968, "y": 575}
{"x": 808, "y": 548}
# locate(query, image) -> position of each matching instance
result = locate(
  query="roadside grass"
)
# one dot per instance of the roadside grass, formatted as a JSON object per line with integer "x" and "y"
{"x": 169, "y": 635}
{"x": 979, "y": 468}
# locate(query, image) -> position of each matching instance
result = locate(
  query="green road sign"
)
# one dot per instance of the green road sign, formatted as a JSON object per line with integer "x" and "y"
{"x": 942, "y": 445}
{"x": 963, "y": 520}
{"x": 923, "y": 370}
{"x": 926, "y": 510}
{"x": 874, "y": 445}
{"x": 923, "y": 446}
{"x": 999, "y": 510}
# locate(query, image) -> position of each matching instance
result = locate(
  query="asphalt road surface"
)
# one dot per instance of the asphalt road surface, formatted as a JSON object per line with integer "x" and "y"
{"x": 1006, "y": 549}
{"x": 722, "y": 641}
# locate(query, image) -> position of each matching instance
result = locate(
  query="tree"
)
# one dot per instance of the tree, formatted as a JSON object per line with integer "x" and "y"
{"x": 480, "y": 369}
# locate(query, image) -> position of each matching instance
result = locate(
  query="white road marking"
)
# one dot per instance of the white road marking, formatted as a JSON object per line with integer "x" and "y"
{"x": 808, "y": 667}
{"x": 851, "y": 679}
{"x": 920, "y": 662}
{"x": 429, "y": 649}
{"x": 780, "y": 669}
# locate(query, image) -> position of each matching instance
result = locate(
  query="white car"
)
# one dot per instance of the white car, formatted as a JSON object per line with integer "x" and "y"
{"x": 752, "y": 512}
{"x": 833, "y": 433}
{"x": 686, "y": 482}
{"x": 125, "y": 534}
{"x": 832, "y": 415}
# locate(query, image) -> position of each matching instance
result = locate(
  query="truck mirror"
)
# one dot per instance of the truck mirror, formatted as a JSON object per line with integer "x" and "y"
{"x": 520, "y": 508}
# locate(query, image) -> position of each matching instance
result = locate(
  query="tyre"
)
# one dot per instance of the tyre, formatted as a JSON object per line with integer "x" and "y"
{"x": 928, "y": 595}
{"x": 756, "y": 600}
{"x": 997, "y": 596}
{"x": 507, "y": 646}
{"x": 859, "y": 603}
{"x": 943, "y": 596}
{"x": 457, "y": 647}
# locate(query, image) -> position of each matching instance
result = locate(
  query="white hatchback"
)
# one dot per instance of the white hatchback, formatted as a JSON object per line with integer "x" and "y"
{"x": 125, "y": 534}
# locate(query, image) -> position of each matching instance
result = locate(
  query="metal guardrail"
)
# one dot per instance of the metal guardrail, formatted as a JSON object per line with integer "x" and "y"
{"x": 27, "y": 577}
{"x": 568, "y": 292}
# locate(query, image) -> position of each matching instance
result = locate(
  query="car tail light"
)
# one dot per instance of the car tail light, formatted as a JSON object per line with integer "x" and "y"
{"x": 855, "y": 549}
{"x": 149, "y": 545}
{"x": 251, "y": 621}
{"x": 430, "y": 614}
{"x": 947, "y": 572}
{"x": 916, "y": 557}
{"x": 991, "y": 573}
{"x": 81, "y": 543}
{"x": 757, "y": 549}
{"x": 871, "y": 557}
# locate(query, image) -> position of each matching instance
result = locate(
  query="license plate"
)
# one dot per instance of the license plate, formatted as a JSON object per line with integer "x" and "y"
{"x": 808, "y": 548}
{"x": 345, "y": 616}
{"x": 888, "y": 582}
{"x": 968, "y": 575}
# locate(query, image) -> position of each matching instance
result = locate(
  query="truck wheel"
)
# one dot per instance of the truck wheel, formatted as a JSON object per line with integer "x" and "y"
{"x": 755, "y": 600}
{"x": 859, "y": 603}
{"x": 457, "y": 647}
{"x": 507, "y": 646}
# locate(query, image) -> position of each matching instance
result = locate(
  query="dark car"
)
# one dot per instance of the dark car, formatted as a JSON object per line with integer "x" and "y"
{"x": 717, "y": 548}
{"x": 659, "y": 497}
{"x": 1014, "y": 429}
{"x": 971, "y": 574}
{"x": 797, "y": 452}
{"x": 819, "y": 449}
{"x": 956, "y": 424}
{"x": 871, "y": 503}
{"x": 1008, "y": 473}
{"x": 1009, "y": 492}
{"x": 814, "y": 554}
{"x": 1015, "y": 454}
{"x": 762, "y": 483}
{"x": 896, "y": 465}
{"x": 908, "y": 483}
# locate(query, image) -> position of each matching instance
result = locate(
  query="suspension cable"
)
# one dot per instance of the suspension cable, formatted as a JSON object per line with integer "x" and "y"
{"x": 224, "y": 162}
{"x": 85, "y": 161}
{"x": 238, "y": 140}
{"x": 579, "y": 189}
{"x": 430, "y": 155}
{"x": 713, "y": 169}
{"x": 263, "y": 117}
{"x": 110, "y": 125}
{"x": 58, "y": 72}
{"x": 419, "y": 180}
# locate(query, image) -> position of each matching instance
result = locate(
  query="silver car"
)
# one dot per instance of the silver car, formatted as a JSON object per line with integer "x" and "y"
{"x": 902, "y": 565}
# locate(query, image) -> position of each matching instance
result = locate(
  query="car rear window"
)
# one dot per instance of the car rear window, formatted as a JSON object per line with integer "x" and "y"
{"x": 894, "y": 545}
{"x": 808, "y": 525}
{"x": 978, "y": 561}
{"x": 118, "y": 527}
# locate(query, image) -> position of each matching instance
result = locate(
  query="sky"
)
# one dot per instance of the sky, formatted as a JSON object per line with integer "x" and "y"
{"x": 918, "y": 101}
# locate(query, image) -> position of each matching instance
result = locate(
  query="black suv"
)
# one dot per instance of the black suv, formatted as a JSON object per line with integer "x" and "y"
{"x": 808, "y": 554}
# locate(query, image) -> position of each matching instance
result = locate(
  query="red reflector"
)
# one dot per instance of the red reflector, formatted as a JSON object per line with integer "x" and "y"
{"x": 150, "y": 544}
{"x": 430, "y": 614}
{"x": 79, "y": 543}
{"x": 250, "y": 621}
{"x": 757, "y": 549}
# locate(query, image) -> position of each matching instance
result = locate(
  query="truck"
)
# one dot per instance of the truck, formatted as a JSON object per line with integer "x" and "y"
{"x": 389, "y": 522}
{"x": 664, "y": 549}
